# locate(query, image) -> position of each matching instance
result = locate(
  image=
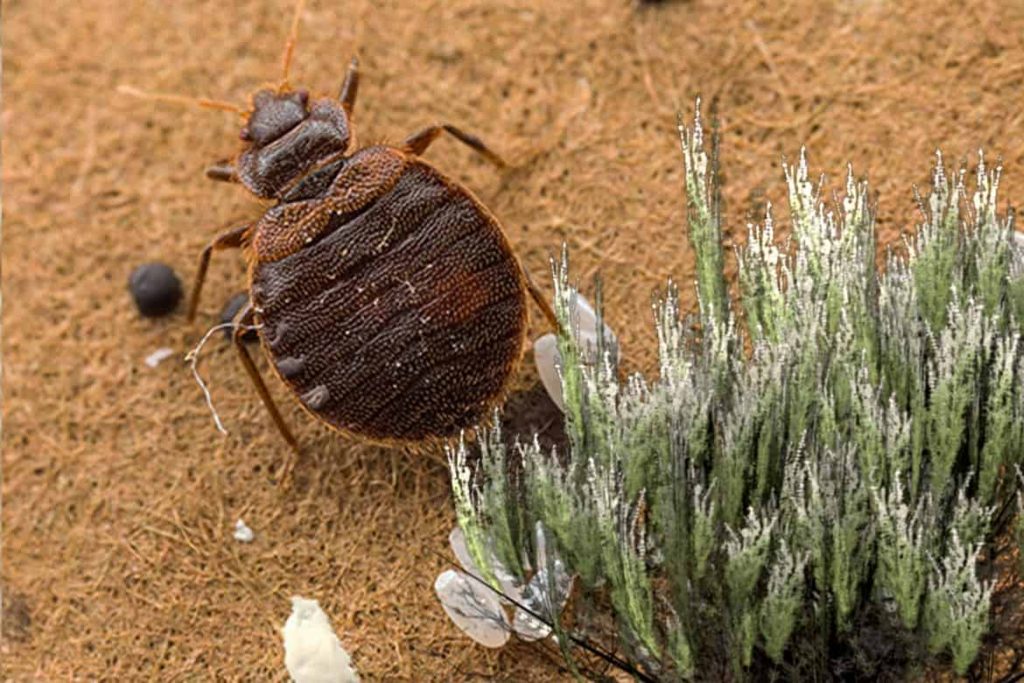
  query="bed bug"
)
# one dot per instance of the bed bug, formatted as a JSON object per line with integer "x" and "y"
{"x": 387, "y": 296}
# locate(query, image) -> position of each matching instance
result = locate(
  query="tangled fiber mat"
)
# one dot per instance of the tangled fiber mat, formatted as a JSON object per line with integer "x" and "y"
{"x": 119, "y": 497}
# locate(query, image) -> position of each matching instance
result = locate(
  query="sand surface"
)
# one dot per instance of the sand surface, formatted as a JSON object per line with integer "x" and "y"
{"x": 119, "y": 496}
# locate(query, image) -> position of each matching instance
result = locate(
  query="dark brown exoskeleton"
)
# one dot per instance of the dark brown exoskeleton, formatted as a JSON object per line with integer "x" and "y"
{"x": 387, "y": 297}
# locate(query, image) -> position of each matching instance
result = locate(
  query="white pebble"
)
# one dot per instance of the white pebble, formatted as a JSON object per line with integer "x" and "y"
{"x": 312, "y": 652}
{"x": 473, "y": 607}
{"x": 243, "y": 533}
{"x": 154, "y": 359}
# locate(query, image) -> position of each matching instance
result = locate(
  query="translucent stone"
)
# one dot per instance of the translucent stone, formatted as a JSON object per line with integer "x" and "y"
{"x": 543, "y": 599}
{"x": 474, "y": 608}
{"x": 585, "y": 316}
{"x": 545, "y": 349}
{"x": 542, "y": 595}
{"x": 509, "y": 585}
{"x": 527, "y": 626}
{"x": 545, "y": 355}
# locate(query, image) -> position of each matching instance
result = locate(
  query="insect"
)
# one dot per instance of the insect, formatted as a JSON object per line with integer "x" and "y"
{"x": 387, "y": 296}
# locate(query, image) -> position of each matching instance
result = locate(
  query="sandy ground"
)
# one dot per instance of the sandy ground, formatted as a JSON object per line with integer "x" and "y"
{"x": 119, "y": 497}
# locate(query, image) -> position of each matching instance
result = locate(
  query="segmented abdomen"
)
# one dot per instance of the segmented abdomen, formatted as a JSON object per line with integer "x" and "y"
{"x": 402, "y": 322}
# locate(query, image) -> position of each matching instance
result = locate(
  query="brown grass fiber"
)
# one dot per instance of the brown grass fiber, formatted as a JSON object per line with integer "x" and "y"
{"x": 119, "y": 496}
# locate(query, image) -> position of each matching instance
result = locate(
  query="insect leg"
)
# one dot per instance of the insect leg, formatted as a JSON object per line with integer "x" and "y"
{"x": 223, "y": 171}
{"x": 350, "y": 86}
{"x": 232, "y": 239}
{"x": 418, "y": 142}
{"x": 245, "y": 318}
{"x": 542, "y": 303}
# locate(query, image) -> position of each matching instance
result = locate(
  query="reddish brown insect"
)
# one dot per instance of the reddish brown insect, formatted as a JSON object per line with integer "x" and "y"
{"x": 386, "y": 295}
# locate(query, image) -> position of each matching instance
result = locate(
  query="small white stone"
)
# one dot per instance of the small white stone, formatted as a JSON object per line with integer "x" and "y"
{"x": 312, "y": 652}
{"x": 160, "y": 355}
{"x": 473, "y": 607}
{"x": 243, "y": 534}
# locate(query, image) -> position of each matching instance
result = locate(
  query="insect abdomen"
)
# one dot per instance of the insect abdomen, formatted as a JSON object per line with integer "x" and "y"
{"x": 402, "y": 322}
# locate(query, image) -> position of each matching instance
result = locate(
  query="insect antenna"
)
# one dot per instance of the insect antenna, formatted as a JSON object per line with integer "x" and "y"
{"x": 202, "y": 102}
{"x": 289, "y": 45}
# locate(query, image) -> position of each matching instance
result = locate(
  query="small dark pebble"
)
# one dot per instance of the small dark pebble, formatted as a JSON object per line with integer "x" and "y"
{"x": 230, "y": 310}
{"x": 155, "y": 288}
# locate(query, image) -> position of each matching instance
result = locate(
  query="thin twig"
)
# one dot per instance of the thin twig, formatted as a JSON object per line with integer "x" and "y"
{"x": 192, "y": 358}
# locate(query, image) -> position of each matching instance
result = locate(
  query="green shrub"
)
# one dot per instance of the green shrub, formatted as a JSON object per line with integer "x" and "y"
{"x": 823, "y": 459}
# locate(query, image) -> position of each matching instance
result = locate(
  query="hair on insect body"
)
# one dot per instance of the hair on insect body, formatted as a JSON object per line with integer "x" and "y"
{"x": 387, "y": 296}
